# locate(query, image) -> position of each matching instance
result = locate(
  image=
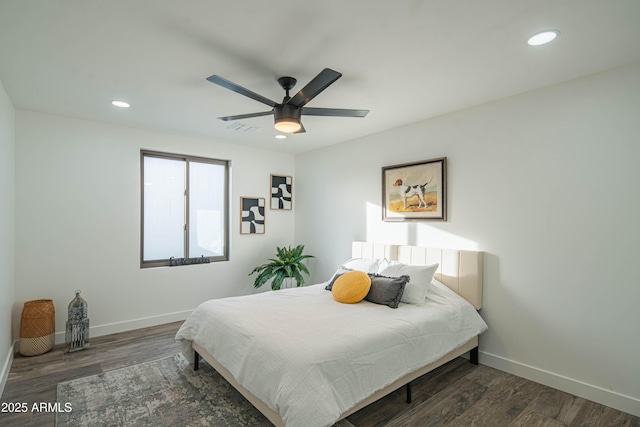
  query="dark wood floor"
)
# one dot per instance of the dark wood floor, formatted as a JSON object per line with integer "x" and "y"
{"x": 456, "y": 394}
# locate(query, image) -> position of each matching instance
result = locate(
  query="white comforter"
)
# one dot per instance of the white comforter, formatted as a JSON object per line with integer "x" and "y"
{"x": 310, "y": 358}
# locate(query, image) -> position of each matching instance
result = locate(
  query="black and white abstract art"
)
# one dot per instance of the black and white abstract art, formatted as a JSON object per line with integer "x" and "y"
{"x": 281, "y": 192}
{"x": 252, "y": 215}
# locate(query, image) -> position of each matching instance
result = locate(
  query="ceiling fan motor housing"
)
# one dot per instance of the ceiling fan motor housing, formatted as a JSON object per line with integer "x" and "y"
{"x": 286, "y": 111}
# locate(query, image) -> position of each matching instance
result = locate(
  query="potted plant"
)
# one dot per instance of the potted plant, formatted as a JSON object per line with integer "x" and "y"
{"x": 287, "y": 265}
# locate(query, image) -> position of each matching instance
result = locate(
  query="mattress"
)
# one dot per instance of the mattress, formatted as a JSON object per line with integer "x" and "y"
{"x": 310, "y": 358}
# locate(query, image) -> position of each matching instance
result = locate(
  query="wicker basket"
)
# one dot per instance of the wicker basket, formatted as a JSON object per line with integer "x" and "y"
{"x": 37, "y": 327}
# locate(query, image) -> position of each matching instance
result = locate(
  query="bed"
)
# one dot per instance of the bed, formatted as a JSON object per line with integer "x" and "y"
{"x": 303, "y": 359}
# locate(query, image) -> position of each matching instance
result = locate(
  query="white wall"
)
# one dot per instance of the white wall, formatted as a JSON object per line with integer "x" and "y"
{"x": 7, "y": 220}
{"x": 546, "y": 183}
{"x": 78, "y": 223}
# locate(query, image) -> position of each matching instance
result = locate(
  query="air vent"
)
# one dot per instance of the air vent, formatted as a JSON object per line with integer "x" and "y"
{"x": 241, "y": 127}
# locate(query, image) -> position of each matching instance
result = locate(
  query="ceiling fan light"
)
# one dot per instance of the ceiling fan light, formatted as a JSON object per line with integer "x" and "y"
{"x": 287, "y": 125}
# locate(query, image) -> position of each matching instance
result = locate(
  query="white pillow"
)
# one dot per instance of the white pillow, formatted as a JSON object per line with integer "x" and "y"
{"x": 420, "y": 277}
{"x": 384, "y": 263}
{"x": 368, "y": 265}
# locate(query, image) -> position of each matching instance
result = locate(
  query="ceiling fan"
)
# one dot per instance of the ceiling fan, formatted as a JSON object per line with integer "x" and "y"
{"x": 287, "y": 114}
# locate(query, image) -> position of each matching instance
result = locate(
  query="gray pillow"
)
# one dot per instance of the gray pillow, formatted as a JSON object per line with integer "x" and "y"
{"x": 386, "y": 290}
{"x": 337, "y": 274}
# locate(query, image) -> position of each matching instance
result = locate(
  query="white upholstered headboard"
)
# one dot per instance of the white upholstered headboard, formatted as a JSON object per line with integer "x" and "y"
{"x": 460, "y": 270}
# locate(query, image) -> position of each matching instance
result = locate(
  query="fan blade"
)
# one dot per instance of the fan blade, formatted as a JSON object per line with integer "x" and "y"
{"x": 314, "y": 87}
{"x": 239, "y": 89}
{"x": 334, "y": 112}
{"x": 245, "y": 116}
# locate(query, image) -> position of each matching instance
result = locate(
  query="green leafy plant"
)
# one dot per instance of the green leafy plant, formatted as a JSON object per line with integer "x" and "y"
{"x": 287, "y": 264}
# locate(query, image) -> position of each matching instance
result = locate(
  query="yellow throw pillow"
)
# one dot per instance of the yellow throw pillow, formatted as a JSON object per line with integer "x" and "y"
{"x": 351, "y": 287}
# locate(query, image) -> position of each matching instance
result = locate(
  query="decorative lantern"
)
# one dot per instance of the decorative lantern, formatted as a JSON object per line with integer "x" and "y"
{"x": 77, "y": 335}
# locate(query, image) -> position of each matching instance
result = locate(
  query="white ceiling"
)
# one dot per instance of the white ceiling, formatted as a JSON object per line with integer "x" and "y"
{"x": 403, "y": 60}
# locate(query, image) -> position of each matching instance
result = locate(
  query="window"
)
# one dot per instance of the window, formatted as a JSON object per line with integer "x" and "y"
{"x": 184, "y": 209}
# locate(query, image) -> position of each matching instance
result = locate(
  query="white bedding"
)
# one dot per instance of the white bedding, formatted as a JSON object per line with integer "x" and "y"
{"x": 310, "y": 358}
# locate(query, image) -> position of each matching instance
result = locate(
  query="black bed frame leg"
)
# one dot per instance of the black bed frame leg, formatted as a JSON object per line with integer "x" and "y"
{"x": 409, "y": 392}
{"x": 196, "y": 360}
{"x": 473, "y": 355}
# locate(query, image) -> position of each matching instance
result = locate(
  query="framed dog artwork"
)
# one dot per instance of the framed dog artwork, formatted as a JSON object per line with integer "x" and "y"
{"x": 415, "y": 191}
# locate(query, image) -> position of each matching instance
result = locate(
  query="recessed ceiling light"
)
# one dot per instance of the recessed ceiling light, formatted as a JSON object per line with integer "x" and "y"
{"x": 121, "y": 104}
{"x": 543, "y": 37}
{"x": 280, "y": 136}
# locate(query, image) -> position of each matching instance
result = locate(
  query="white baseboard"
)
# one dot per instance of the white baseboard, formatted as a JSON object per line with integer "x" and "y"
{"x": 597, "y": 394}
{"x": 130, "y": 325}
{"x": 6, "y": 367}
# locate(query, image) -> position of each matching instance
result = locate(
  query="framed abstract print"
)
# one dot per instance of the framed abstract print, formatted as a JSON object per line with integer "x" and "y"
{"x": 281, "y": 192}
{"x": 252, "y": 215}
